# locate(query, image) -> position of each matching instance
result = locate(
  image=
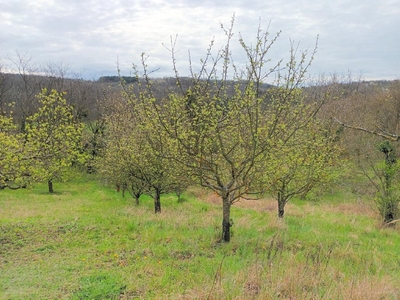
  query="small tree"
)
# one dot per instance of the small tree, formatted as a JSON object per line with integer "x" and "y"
{"x": 380, "y": 119}
{"x": 14, "y": 157}
{"x": 54, "y": 137}
{"x": 305, "y": 161}
{"x": 114, "y": 165}
{"x": 221, "y": 130}
{"x": 387, "y": 197}
{"x": 135, "y": 152}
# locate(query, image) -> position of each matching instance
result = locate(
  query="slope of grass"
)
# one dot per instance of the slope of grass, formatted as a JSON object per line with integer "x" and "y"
{"x": 87, "y": 242}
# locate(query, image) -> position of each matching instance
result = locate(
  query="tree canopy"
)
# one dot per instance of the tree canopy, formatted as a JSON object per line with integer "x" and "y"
{"x": 53, "y": 136}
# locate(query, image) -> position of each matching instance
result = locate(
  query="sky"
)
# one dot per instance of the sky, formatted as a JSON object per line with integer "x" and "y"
{"x": 92, "y": 37}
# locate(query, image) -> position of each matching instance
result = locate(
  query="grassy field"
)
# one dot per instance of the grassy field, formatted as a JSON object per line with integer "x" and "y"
{"x": 87, "y": 242}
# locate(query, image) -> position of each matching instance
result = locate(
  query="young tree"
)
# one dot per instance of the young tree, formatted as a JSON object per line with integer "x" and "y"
{"x": 115, "y": 167}
{"x": 14, "y": 159}
{"x": 383, "y": 176}
{"x": 305, "y": 161}
{"x": 133, "y": 155}
{"x": 388, "y": 197}
{"x": 223, "y": 130}
{"x": 54, "y": 137}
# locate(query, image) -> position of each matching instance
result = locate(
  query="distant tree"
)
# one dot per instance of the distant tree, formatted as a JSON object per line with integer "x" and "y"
{"x": 5, "y": 86}
{"x": 54, "y": 137}
{"x": 94, "y": 142}
{"x": 53, "y": 76}
{"x": 24, "y": 87}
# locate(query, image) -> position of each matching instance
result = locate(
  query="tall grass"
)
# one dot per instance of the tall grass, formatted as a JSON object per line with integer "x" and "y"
{"x": 87, "y": 242}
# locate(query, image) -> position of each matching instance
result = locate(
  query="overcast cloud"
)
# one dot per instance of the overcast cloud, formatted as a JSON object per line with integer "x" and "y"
{"x": 359, "y": 36}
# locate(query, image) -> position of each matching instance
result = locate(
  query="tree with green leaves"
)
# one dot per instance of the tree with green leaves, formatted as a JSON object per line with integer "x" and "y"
{"x": 135, "y": 154}
{"x": 14, "y": 157}
{"x": 388, "y": 197}
{"x": 115, "y": 167}
{"x": 302, "y": 162}
{"x": 54, "y": 137}
{"x": 223, "y": 130}
{"x": 114, "y": 163}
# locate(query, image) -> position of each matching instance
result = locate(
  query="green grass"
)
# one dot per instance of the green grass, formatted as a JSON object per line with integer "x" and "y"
{"x": 87, "y": 242}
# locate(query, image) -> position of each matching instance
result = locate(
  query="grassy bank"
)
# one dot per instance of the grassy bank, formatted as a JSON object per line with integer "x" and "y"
{"x": 87, "y": 242}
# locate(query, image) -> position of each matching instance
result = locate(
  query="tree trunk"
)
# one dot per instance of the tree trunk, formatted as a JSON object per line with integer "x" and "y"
{"x": 281, "y": 205}
{"x": 390, "y": 211}
{"x": 137, "y": 199}
{"x": 226, "y": 219}
{"x": 50, "y": 185}
{"x": 179, "y": 196}
{"x": 157, "y": 202}
{"x": 124, "y": 188}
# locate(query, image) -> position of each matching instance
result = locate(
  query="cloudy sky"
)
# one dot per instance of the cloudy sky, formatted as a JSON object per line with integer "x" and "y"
{"x": 359, "y": 36}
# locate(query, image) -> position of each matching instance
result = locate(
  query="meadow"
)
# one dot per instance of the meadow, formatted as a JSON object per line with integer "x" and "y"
{"x": 86, "y": 241}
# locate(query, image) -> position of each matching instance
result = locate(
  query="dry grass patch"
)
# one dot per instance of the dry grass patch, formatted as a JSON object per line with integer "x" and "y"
{"x": 369, "y": 288}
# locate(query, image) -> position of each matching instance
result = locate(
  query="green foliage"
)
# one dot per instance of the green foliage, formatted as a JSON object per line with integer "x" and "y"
{"x": 302, "y": 161}
{"x": 388, "y": 151}
{"x": 388, "y": 205}
{"x": 93, "y": 140}
{"x": 223, "y": 132}
{"x": 136, "y": 156}
{"x": 388, "y": 197}
{"x": 53, "y": 136}
{"x": 14, "y": 164}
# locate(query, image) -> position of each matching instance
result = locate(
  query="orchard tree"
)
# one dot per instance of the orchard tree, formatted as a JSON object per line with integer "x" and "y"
{"x": 14, "y": 157}
{"x": 134, "y": 153}
{"x": 223, "y": 130}
{"x": 304, "y": 161}
{"x": 115, "y": 167}
{"x": 114, "y": 160}
{"x": 160, "y": 175}
{"x": 54, "y": 137}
